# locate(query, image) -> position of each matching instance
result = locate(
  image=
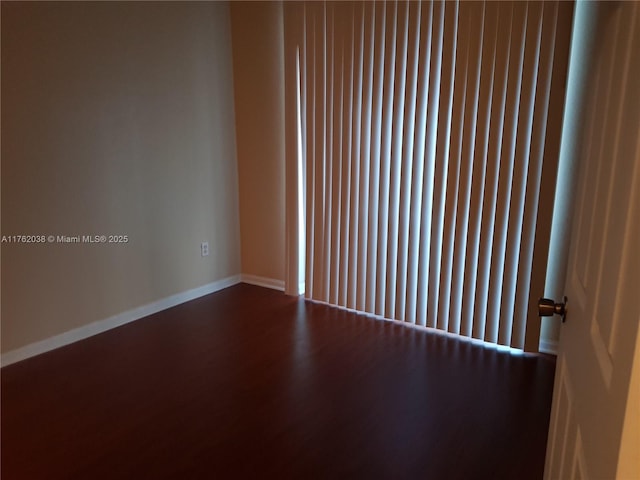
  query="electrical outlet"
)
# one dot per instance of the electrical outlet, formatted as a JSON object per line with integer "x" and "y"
{"x": 204, "y": 249}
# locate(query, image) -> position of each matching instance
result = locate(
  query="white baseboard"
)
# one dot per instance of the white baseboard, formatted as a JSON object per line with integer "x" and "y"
{"x": 548, "y": 346}
{"x": 100, "y": 326}
{"x": 263, "y": 281}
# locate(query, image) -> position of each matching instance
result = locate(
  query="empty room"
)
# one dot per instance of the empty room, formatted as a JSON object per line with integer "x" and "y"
{"x": 294, "y": 239}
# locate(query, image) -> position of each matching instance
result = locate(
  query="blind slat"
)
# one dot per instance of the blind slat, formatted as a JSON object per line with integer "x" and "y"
{"x": 414, "y": 312}
{"x": 341, "y": 161}
{"x": 327, "y": 174}
{"x": 341, "y": 256}
{"x": 441, "y": 170}
{"x": 320, "y": 141}
{"x": 406, "y": 177}
{"x": 363, "y": 130}
{"x": 310, "y": 134}
{"x": 385, "y": 155}
{"x": 397, "y": 163}
{"x": 453, "y": 175}
{"x": 376, "y": 152}
{"x": 336, "y": 255}
{"x": 351, "y": 154}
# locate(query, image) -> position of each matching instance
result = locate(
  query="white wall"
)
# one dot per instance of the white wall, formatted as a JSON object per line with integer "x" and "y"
{"x": 258, "y": 71}
{"x": 117, "y": 118}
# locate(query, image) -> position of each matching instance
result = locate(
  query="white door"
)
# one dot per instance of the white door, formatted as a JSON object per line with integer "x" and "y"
{"x": 594, "y": 416}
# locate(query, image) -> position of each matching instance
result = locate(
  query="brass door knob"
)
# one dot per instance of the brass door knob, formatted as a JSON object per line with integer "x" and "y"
{"x": 548, "y": 308}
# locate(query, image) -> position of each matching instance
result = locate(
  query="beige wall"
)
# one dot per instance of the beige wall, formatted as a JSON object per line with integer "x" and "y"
{"x": 258, "y": 70}
{"x": 117, "y": 118}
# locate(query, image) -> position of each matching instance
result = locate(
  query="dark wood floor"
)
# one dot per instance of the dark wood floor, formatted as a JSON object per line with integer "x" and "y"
{"x": 250, "y": 383}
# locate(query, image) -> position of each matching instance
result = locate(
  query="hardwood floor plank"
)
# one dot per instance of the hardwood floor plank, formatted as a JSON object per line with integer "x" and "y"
{"x": 250, "y": 383}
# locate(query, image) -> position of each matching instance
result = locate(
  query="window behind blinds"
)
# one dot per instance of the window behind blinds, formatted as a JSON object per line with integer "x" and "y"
{"x": 426, "y": 133}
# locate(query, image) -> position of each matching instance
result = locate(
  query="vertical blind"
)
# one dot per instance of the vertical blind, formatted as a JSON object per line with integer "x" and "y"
{"x": 421, "y": 131}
